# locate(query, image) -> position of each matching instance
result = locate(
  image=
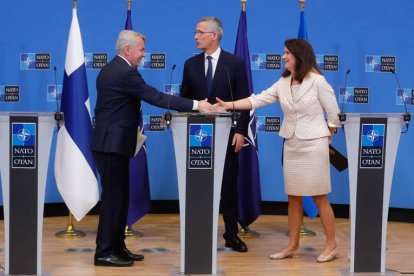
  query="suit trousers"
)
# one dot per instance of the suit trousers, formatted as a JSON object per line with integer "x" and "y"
{"x": 229, "y": 196}
{"x": 114, "y": 171}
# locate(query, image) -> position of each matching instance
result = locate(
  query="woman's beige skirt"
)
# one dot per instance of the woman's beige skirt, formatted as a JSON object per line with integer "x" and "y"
{"x": 306, "y": 166}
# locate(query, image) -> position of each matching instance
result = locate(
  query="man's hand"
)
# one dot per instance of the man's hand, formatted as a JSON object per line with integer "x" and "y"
{"x": 205, "y": 106}
{"x": 238, "y": 142}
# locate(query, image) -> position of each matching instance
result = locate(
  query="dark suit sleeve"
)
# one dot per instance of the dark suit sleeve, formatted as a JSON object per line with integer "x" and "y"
{"x": 137, "y": 88}
{"x": 241, "y": 91}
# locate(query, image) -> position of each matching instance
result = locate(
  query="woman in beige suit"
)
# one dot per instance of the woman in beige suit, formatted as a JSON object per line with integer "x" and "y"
{"x": 305, "y": 97}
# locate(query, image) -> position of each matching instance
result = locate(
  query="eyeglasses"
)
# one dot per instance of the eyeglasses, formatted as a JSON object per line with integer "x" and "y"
{"x": 200, "y": 33}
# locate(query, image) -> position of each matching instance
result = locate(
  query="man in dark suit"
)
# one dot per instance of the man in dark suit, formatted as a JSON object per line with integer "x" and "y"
{"x": 216, "y": 73}
{"x": 120, "y": 89}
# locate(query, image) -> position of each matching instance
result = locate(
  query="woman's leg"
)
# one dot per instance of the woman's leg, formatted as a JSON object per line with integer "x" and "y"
{"x": 328, "y": 221}
{"x": 295, "y": 217}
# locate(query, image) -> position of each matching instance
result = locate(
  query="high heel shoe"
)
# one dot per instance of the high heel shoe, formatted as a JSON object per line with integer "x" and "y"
{"x": 327, "y": 258}
{"x": 282, "y": 255}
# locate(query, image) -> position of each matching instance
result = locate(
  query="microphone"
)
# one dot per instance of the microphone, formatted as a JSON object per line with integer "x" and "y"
{"x": 406, "y": 116}
{"x": 234, "y": 114}
{"x": 342, "y": 115}
{"x": 167, "y": 115}
{"x": 58, "y": 114}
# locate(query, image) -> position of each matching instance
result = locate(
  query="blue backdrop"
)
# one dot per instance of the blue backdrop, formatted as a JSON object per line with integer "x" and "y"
{"x": 354, "y": 32}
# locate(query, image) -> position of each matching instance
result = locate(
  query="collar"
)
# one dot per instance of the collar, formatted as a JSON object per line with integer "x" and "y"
{"x": 125, "y": 60}
{"x": 214, "y": 55}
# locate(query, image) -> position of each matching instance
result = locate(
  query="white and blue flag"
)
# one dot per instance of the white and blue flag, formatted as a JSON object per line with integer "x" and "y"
{"x": 75, "y": 170}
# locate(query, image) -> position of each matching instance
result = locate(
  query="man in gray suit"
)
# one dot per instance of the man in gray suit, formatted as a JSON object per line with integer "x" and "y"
{"x": 120, "y": 89}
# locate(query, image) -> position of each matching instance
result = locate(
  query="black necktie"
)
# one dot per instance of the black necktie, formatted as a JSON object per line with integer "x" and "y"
{"x": 209, "y": 75}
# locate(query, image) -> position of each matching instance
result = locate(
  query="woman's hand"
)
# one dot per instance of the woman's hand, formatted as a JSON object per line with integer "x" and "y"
{"x": 220, "y": 105}
{"x": 332, "y": 131}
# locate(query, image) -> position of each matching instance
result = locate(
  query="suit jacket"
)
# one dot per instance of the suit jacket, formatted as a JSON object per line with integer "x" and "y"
{"x": 229, "y": 78}
{"x": 120, "y": 89}
{"x": 306, "y": 117}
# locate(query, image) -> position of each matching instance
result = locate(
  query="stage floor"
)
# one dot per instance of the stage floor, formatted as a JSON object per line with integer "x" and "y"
{"x": 160, "y": 245}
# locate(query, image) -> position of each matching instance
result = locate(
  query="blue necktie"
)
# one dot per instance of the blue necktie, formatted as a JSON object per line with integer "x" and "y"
{"x": 209, "y": 75}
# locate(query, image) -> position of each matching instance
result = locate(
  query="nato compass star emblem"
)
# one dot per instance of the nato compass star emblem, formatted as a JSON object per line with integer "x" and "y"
{"x": 87, "y": 60}
{"x": 27, "y": 61}
{"x": 373, "y": 135}
{"x": 260, "y": 125}
{"x": 201, "y": 135}
{"x": 403, "y": 96}
{"x": 23, "y": 134}
{"x": 171, "y": 90}
{"x": 346, "y": 95}
{"x": 55, "y": 93}
{"x": 373, "y": 63}
{"x": 258, "y": 61}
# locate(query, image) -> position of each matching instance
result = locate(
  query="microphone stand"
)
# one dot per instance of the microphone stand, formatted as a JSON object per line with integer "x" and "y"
{"x": 234, "y": 114}
{"x": 342, "y": 115}
{"x": 167, "y": 115}
{"x": 58, "y": 113}
{"x": 407, "y": 115}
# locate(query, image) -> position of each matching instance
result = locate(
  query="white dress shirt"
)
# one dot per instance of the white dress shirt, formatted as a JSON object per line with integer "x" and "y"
{"x": 214, "y": 60}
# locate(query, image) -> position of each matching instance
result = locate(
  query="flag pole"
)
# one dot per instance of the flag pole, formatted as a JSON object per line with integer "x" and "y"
{"x": 302, "y": 5}
{"x": 246, "y": 232}
{"x": 70, "y": 231}
{"x": 129, "y": 231}
{"x": 304, "y": 232}
{"x": 243, "y": 5}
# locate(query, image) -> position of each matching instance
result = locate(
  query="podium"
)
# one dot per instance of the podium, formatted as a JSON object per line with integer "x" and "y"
{"x": 200, "y": 144}
{"x": 25, "y": 140}
{"x": 372, "y": 143}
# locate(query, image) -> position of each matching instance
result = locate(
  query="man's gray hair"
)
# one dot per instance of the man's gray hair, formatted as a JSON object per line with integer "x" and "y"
{"x": 127, "y": 38}
{"x": 213, "y": 25}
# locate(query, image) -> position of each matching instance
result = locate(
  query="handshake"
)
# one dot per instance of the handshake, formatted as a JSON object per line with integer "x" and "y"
{"x": 205, "y": 106}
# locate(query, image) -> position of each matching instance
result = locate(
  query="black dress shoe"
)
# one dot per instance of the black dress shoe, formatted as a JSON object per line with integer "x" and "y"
{"x": 128, "y": 255}
{"x": 236, "y": 244}
{"x": 113, "y": 260}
